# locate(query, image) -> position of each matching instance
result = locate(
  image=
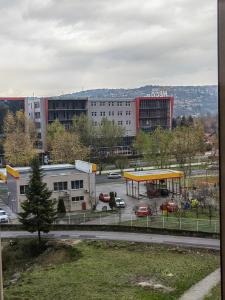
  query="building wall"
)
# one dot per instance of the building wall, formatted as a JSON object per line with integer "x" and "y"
{"x": 152, "y": 112}
{"x": 34, "y": 109}
{"x": 121, "y": 111}
{"x": 88, "y": 190}
{"x": 64, "y": 109}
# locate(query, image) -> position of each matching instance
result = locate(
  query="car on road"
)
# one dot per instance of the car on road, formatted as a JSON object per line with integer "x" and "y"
{"x": 143, "y": 211}
{"x": 120, "y": 203}
{"x": 104, "y": 197}
{"x": 113, "y": 175}
{"x": 4, "y": 218}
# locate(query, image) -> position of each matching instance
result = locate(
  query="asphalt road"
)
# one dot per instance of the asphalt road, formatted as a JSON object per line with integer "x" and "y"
{"x": 103, "y": 179}
{"x": 181, "y": 241}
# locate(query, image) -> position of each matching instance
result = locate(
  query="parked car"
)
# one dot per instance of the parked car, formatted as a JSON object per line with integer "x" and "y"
{"x": 143, "y": 211}
{"x": 104, "y": 197}
{"x": 4, "y": 218}
{"x": 113, "y": 175}
{"x": 164, "y": 192}
{"x": 120, "y": 203}
{"x": 169, "y": 206}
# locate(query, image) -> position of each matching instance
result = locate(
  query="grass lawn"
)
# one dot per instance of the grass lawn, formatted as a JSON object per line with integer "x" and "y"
{"x": 105, "y": 270}
{"x": 215, "y": 293}
{"x": 176, "y": 223}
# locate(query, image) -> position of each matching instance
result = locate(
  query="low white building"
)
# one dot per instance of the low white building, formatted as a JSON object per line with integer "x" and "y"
{"x": 75, "y": 183}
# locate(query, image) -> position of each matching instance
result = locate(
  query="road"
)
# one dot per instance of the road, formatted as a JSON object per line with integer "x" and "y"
{"x": 181, "y": 241}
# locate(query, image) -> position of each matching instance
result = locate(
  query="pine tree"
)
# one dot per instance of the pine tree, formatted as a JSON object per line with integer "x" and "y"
{"x": 112, "y": 201}
{"x": 38, "y": 209}
{"x": 61, "y": 210}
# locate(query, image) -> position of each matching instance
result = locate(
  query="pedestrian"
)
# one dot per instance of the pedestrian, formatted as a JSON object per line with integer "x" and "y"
{"x": 115, "y": 194}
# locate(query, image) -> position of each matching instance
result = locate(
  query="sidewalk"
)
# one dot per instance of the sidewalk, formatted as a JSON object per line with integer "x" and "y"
{"x": 203, "y": 287}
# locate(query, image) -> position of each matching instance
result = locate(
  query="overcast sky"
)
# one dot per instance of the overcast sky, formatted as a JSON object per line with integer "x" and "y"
{"x": 50, "y": 47}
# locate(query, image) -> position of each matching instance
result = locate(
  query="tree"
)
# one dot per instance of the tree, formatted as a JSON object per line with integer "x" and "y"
{"x": 38, "y": 209}
{"x": 121, "y": 163}
{"x": 83, "y": 127}
{"x": 61, "y": 209}
{"x": 64, "y": 146}
{"x": 112, "y": 201}
{"x": 19, "y": 139}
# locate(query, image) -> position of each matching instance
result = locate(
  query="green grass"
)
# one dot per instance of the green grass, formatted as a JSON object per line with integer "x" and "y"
{"x": 200, "y": 214}
{"x": 176, "y": 223}
{"x": 110, "y": 271}
{"x": 215, "y": 293}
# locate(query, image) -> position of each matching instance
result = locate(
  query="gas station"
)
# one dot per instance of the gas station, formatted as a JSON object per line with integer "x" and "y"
{"x": 155, "y": 181}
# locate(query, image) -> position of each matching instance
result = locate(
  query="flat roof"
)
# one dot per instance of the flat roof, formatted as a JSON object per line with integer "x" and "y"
{"x": 49, "y": 170}
{"x": 152, "y": 175}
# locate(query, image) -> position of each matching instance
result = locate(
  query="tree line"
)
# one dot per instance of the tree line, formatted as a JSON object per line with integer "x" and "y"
{"x": 80, "y": 141}
{"x": 163, "y": 146}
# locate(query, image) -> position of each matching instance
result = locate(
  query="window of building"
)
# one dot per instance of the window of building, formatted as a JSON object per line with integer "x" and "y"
{"x": 23, "y": 189}
{"x": 102, "y": 113}
{"x": 39, "y": 135}
{"x": 128, "y": 122}
{"x": 112, "y": 103}
{"x": 109, "y": 113}
{"x": 127, "y": 113}
{"x": 112, "y": 113}
{"x": 60, "y": 186}
{"x": 37, "y": 124}
{"x": 77, "y": 184}
{"x": 36, "y": 105}
{"x": 120, "y": 122}
{"x": 78, "y": 198}
{"x": 120, "y": 113}
{"x": 37, "y": 115}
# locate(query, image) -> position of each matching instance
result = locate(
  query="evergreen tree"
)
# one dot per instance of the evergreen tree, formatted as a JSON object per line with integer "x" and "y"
{"x": 38, "y": 209}
{"x": 61, "y": 210}
{"x": 112, "y": 201}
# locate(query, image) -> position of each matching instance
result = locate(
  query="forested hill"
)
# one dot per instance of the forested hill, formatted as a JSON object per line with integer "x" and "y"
{"x": 189, "y": 100}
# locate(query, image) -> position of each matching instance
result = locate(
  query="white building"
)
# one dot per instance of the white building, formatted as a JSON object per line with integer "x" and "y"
{"x": 75, "y": 183}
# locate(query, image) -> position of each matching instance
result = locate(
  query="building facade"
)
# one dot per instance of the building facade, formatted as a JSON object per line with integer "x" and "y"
{"x": 134, "y": 114}
{"x": 120, "y": 111}
{"x": 72, "y": 182}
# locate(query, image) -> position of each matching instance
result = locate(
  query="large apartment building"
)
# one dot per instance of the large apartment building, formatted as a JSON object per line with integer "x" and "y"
{"x": 134, "y": 114}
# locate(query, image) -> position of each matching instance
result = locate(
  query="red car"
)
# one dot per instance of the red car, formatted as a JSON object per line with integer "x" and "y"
{"x": 104, "y": 197}
{"x": 143, "y": 211}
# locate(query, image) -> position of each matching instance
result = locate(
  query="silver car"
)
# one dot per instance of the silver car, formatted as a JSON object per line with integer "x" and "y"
{"x": 113, "y": 175}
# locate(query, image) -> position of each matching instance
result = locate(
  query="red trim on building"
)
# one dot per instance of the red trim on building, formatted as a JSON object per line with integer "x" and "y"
{"x": 171, "y": 110}
{"x": 138, "y": 100}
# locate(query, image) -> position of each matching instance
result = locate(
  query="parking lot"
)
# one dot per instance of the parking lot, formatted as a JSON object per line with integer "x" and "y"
{"x": 120, "y": 188}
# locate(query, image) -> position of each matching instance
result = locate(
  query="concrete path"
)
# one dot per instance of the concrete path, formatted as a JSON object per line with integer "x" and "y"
{"x": 201, "y": 289}
{"x": 182, "y": 241}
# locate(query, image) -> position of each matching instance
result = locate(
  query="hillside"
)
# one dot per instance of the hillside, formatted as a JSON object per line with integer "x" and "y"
{"x": 189, "y": 100}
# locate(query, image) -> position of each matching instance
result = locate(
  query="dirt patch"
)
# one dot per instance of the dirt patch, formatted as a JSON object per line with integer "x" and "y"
{"x": 58, "y": 252}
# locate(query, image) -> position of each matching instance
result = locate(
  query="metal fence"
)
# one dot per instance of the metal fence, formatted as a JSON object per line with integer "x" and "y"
{"x": 159, "y": 221}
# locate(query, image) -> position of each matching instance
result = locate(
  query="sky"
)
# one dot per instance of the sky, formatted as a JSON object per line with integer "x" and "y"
{"x": 55, "y": 47}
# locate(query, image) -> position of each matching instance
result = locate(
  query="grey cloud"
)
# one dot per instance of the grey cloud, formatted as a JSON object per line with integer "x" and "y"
{"x": 64, "y": 45}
